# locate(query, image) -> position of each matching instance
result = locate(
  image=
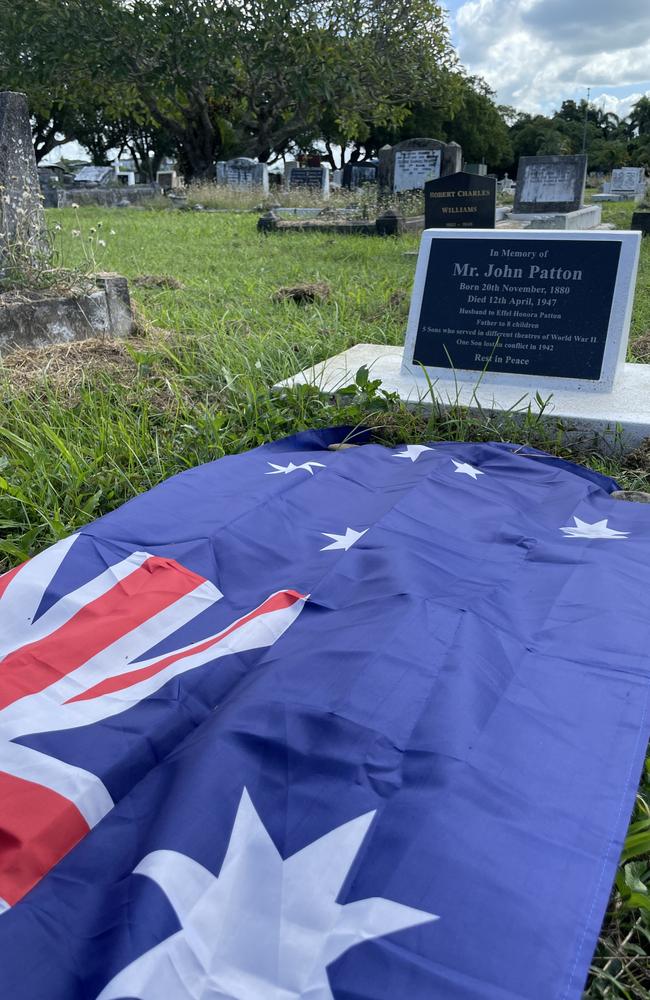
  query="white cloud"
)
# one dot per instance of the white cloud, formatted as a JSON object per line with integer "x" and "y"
{"x": 537, "y": 53}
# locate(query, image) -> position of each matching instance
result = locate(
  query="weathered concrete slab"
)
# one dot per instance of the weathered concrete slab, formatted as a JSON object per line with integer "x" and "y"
{"x": 108, "y": 197}
{"x": 33, "y": 319}
{"x": 619, "y": 420}
{"x": 388, "y": 224}
{"x": 587, "y": 217}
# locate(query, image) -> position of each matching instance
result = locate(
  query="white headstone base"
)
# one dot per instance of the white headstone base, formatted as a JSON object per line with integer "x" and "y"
{"x": 587, "y": 217}
{"x": 620, "y": 419}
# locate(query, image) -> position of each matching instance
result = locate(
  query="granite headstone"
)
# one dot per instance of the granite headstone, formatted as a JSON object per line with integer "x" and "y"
{"x": 243, "y": 172}
{"x": 628, "y": 180}
{"x": 94, "y": 176}
{"x": 355, "y": 175}
{"x": 460, "y": 201}
{"x": 553, "y": 307}
{"x": 550, "y": 184}
{"x": 311, "y": 178}
{"x": 410, "y": 164}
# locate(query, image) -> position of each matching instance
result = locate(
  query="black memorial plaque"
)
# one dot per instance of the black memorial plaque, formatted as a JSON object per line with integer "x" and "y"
{"x": 460, "y": 201}
{"x": 310, "y": 177}
{"x": 526, "y": 307}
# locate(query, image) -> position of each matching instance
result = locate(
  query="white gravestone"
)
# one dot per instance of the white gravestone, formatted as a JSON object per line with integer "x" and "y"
{"x": 414, "y": 167}
{"x": 243, "y": 172}
{"x": 627, "y": 183}
{"x": 628, "y": 180}
{"x": 94, "y": 175}
{"x": 539, "y": 187}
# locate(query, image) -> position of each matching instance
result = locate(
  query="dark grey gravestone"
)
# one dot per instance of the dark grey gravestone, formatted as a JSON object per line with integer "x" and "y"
{"x": 357, "y": 174}
{"x": 543, "y": 310}
{"x": 460, "y": 201}
{"x": 22, "y": 222}
{"x": 641, "y": 222}
{"x": 550, "y": 183}
{"x": 313, "y": 178}
{"x": 410, "y": 164}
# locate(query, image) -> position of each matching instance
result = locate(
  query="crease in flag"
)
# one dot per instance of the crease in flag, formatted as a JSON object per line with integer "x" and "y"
{"x": 322, "y": 723}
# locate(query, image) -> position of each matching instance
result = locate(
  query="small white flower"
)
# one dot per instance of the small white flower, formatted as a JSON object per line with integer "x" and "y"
{"x": 92, "y": 230}
{"x": 112, "y": 233}
{"x": 258, "y": 364}
{"x": 102, "y": 243}
{"x": 76, "y": 232}
{"x": 74, "y": 205}
{"x": 57, "y": 228}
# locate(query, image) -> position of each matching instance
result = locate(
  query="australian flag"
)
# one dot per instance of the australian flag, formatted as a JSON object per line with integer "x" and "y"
{"x": 311, "y": 722}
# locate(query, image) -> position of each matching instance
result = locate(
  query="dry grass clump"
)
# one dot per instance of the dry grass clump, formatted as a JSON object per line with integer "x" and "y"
{"x": 66, "y": 366}
{"x": 315, "y": 291}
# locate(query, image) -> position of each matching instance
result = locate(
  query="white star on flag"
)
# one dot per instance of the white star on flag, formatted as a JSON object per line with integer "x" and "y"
{"x": 467, "y": 470}
{"x": 284, "y": 470}
{"x": 599, "y": 529}
{"x": 413, "y": 451}
{"x": 345, "y": 541}
{"x": 266, "y": 926}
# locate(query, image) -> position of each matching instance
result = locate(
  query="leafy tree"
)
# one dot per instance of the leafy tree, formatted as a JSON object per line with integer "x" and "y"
{"x": 639, "y": 118}
{"x": 479, "y": 126}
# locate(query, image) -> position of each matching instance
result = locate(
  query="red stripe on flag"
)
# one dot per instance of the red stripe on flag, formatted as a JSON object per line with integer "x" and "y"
{"x": 278, "y": 602}
{"x": 151, "y": 588}
{"x": 6, "y": 578}
{"x": 37, "y": 828}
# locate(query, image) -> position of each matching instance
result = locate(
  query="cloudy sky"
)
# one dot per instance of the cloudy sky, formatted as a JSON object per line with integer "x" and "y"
{"x": 537, "y": 53}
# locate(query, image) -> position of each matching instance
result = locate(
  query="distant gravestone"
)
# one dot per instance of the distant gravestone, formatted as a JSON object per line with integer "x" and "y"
{"x": 97, "y": 176}
{"x": 22, "y": 221}
{"x": 460, "y": 201}
{"x": 410, "y": 164}
{"x": 628, "y": 181}
{"x": 355, "y": 175}
{"x": 550, "y": 184}
{"x": 476, "y": 168}
{"x": 311, "y": 178}
{"x": 243, "y": 172}
{"x": 167, "y": 179}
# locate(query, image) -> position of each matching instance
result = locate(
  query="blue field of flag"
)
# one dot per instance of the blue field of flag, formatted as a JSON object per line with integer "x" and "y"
{"x": 311, "y": 723}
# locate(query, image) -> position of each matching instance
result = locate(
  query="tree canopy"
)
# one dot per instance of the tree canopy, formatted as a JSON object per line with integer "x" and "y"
{"x": 204, "y": 81}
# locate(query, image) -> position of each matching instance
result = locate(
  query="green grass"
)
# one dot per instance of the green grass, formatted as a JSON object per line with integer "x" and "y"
{"x": 84, "y": 436}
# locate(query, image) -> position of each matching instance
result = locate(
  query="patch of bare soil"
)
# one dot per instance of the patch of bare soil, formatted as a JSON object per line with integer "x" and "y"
{"x": 157, "y": 281}
{"x": 640, "y": 347}
{"x": 639, "y": 459}
{"x": 316, "y": 291}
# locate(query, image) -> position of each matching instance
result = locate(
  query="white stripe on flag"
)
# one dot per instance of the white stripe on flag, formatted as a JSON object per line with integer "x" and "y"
{"x": 88, "y": 793}
{"x": 4, "y": 905}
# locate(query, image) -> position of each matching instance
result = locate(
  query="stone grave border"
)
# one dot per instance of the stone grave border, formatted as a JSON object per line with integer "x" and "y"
{"x": 388, "y": 224}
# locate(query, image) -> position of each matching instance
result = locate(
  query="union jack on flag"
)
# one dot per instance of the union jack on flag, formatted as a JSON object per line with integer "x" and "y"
{"x": 80, "y": 661}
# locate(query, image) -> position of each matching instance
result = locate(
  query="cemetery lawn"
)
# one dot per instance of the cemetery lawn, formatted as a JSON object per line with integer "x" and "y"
{"x": 85, "y": 427}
